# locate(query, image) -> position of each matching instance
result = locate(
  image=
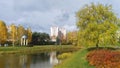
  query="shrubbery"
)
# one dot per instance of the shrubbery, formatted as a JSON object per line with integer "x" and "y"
{"x": 64, "y": 56}
{"x": 104, "y": 58}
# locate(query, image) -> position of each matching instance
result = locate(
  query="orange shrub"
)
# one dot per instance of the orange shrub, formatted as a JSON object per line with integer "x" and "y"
{"x": 104, "y": 58}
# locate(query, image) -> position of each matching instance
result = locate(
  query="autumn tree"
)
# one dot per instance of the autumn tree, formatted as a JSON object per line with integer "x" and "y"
{"x": 3, "y": 32}
{"x": 21, "y": 31}
{"x": 97, "y": 25}
{"x": 13, "y": 33}
{"x": 72, "y": 37}
{"x": 29, "y": 35}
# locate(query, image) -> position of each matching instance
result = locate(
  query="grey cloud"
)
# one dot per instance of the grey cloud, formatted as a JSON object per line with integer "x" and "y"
{"x": 45, "y": 5}
{"x": 62, "y": 17}
{"x": 40, "y": 15}
{"x": 30, "y": 5}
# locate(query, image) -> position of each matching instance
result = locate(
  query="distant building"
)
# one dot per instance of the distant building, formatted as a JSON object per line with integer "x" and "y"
{"x": 57, "y": 34}
{"x": 54, "y": 33}
{"x": 63, "y": 31}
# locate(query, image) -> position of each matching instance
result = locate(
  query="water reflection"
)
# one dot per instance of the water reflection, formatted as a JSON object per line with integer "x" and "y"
{"x": 53, "y": 58}
{"x": 42, "y": 60}
{"x": 14, "y": 61}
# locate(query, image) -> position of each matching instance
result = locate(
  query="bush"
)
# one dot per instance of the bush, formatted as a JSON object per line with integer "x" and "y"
{"x": 64, "y": 56}
{"x": 104, "y": 58}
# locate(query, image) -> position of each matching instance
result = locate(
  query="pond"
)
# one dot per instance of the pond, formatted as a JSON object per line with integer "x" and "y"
{"x": 39, "y": 60}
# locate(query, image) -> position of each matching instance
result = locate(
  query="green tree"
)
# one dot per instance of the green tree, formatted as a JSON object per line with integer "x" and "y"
{"x": 97, "y": 25}
{"x": 3, "y": 32}
{"x": 40, "y": 38}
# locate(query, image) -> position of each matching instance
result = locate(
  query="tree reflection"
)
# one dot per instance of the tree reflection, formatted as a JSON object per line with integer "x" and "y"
{"x": 14, "y": 61}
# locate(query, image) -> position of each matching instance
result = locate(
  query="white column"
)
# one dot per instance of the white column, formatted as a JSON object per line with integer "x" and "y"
{"x": 21, "y": 41}
{"x": 24, "y": 41}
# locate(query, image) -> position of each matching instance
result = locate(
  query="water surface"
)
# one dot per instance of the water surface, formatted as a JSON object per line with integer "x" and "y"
{"x": 41, "y": 60}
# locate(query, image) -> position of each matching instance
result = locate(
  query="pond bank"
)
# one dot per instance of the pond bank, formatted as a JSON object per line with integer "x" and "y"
{"x": 36, "y": 49}
{"x": 77, "y": 60}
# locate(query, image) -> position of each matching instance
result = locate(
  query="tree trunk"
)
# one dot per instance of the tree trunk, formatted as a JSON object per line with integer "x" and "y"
{"x": 97, "y": 44}
{"x": 13, "y": 44}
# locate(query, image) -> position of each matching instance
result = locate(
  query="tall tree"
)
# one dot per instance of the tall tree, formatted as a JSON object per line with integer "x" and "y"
{"x": 29, "y": 35}
{"x": 97, "y": 25}
{"x": 3, "y": 32}
{"x": 13, "y": 33}
{"x": 21, "y": 31}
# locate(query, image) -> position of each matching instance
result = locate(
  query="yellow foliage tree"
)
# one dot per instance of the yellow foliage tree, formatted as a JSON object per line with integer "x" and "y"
{"x": 3, "y": 32}
{"x": 13, "y": 33}
{"x": 97, "y": 25}
{"x": 21, "y": 31}
{"x": 72, "y": 37}
{"x": 29, "y": 34}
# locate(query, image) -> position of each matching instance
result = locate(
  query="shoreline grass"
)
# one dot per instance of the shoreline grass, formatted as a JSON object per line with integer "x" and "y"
{"x": 77, "y": 60}
{"x": 36, "y": 49}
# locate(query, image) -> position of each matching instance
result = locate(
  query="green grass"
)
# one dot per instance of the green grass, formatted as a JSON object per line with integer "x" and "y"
{"x": 77, "y": 60}
{"x": 35, "y": 49}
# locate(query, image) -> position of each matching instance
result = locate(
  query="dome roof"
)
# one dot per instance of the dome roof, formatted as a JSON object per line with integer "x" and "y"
{"x": 24, "y": 37}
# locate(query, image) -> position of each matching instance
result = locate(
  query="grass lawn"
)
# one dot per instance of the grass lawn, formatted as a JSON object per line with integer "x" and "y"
{"x": 102, "y": 57}
{"x": 35, "y": 49}
{"x": 77, "y": 60}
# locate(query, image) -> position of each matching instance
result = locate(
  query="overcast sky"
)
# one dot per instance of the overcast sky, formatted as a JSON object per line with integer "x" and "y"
{"x": 40, "y": 15}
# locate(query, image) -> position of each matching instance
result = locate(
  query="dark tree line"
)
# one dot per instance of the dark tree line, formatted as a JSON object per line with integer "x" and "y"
{"x": 39, "y": 38}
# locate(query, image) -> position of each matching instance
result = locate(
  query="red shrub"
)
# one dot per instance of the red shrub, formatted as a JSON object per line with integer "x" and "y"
{"x": 104, "y": 58}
